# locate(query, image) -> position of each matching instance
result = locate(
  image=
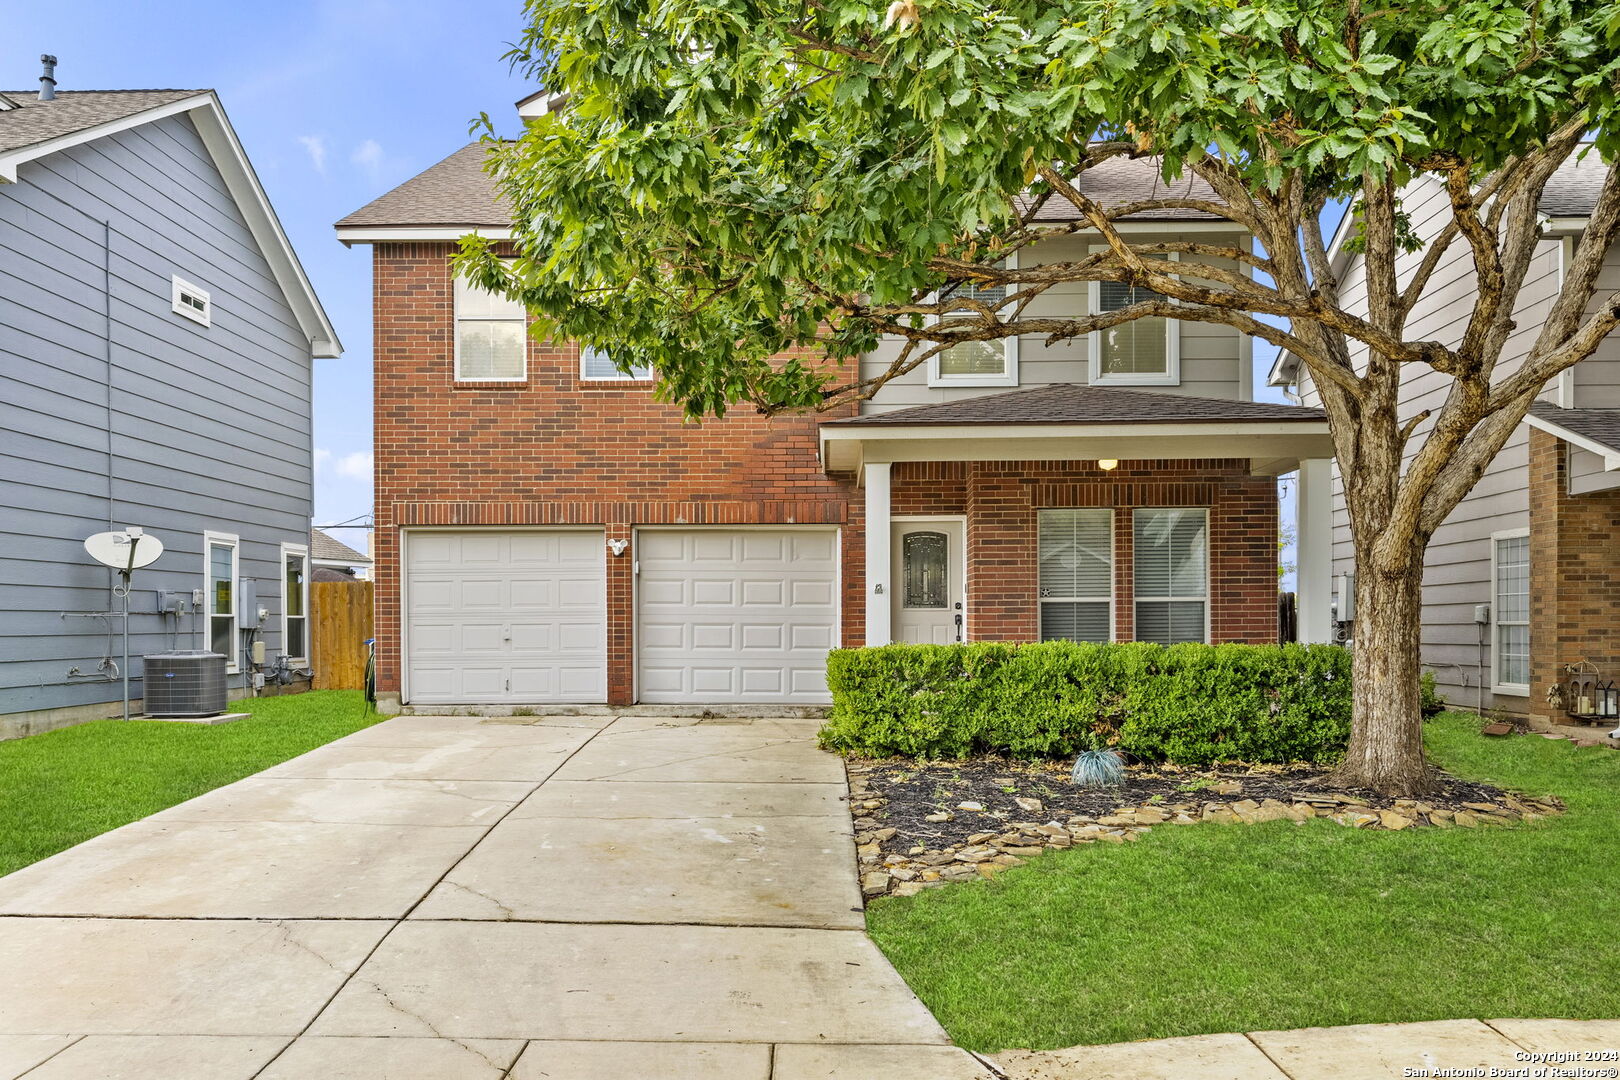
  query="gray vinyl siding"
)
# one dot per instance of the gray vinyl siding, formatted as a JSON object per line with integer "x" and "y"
{"x": 209, "y": 428}
{"x": 1457, "y": 574}
{"x": 1587, "y": 474}
{"x": 1211, "y": 355}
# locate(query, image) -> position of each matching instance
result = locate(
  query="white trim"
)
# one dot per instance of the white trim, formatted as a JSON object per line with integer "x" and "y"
{"x": 234, "y": 167}
{"x": 879, "y": 522}
{"x": 1113, "y": 569}
{"x": 457, "y": 284}
{"x": 302, "y": 551}
{"x": 1497, "y": 685}
{"x": 179, "y": 290}
{"x": 1565, "y": 385}
{"x": 1313, "y": 537}
{"x": 1610, "y": 456}
{"x": 1009, "y": 356}
{"x": 1208, "y": 599}
{"x": 1172, "y": 345}
{"x": 381, "y": 234}
{"x": 212, "y": 539}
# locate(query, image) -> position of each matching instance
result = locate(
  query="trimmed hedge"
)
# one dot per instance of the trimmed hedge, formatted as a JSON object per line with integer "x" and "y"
{"x": 1188, "y": 704}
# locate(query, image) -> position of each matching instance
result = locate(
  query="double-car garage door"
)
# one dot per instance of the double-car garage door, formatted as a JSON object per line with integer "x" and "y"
{"x": 521, "y": 616}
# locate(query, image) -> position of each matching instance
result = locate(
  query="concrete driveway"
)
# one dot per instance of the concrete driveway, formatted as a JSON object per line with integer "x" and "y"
{"x": 438, "y": 898}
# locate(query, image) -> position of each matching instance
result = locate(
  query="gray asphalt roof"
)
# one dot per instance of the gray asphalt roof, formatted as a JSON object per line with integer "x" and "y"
{"x": 1069, "y": 403}
{"x": 1572, "y": 191}
{"x": 35, "y": 121}
{"x": 457, "y": 192}
{"x": 1599, "y": 425}
{"x": 322, "y": 546}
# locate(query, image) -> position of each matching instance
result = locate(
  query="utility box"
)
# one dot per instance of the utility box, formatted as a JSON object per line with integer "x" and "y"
{"x": 247, "y": 604}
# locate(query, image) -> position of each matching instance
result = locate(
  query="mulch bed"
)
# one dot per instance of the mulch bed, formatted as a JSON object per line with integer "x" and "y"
{"x": 924, "y": 824}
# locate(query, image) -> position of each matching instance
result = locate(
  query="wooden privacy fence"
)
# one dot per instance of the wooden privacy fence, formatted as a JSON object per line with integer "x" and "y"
{"x": 341, "y": 611}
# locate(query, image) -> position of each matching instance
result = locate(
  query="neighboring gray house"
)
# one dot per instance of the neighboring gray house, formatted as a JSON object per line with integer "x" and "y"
{"x": 1523, "y": 578}
{"x": 156, "y": 344}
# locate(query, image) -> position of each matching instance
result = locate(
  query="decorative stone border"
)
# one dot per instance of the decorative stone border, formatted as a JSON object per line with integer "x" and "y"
{"x": 888, "y": 871}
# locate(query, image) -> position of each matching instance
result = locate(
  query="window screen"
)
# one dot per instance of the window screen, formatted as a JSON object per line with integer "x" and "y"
{"x": 1076, "y": 574}
{"x": 974, "y": 358}
{"x": 491, "y": 335}
{"x": 1171, "y": 575}
{"x": 1138, "y": 349}
{"x": 598, "y": 365}
{"x": 1512, "y": 613}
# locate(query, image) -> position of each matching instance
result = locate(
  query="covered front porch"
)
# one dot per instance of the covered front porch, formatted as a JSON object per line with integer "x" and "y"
{"x": 1085, "y": 513}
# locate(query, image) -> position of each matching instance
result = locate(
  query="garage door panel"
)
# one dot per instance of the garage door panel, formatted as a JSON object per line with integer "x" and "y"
{"x": 506, "y": 616}
{"x": 735, "y": 615}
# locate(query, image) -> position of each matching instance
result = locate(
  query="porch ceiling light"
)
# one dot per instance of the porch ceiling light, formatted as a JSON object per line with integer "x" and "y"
{"x": 1107, "y": 464}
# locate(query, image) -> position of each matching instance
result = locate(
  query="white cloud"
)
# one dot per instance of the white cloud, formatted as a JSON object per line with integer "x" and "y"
{"x": 368, "y": 156}
{"x": 355, "y": 466}
{"x": 322, "y": 456}
{"x": 315, "y": 146}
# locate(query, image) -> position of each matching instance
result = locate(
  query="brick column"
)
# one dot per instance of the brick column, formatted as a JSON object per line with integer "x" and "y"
{"x": 621, "y": 620}
{"x": 1001, "y": 554}
{"x": 1574, "y": 576}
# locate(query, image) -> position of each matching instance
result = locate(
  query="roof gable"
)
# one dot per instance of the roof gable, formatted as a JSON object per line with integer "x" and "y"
{"x": 37, "y": 128}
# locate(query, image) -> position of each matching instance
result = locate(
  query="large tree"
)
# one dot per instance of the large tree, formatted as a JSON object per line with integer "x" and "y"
{"x": 730, "y": 181}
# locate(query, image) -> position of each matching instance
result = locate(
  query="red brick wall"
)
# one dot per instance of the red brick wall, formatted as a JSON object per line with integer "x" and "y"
{"x": 1001, "y": 499}
{"x": 1574, "y": 576}
{"x": 557, "y": 450}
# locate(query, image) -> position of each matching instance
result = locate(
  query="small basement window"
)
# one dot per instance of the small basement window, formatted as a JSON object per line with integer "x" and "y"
{"x": 191, "y": 301}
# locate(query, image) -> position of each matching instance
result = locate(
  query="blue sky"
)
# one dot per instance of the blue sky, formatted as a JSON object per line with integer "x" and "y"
{"x": 336, "y": 102}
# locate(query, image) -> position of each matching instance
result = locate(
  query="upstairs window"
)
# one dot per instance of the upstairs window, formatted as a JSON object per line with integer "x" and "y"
{"x": 491, "y": 336}
{"x": 975, "y": 363}
{"x": 190, "y": 301}
{"x": 1077, "y": 575}
{"x": 1172, "y": 575}
{"x": 1510, "y": 577}
{"x": 1142, "y": 352}
{"x": 597, "y": 366}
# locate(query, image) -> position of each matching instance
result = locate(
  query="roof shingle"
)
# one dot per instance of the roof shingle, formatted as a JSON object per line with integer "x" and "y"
{"x": 1070, "y": 403}
{"x": 1599, "y": 425}
{"x": 457, "y": 192}
{"x": 34, "y": 121}
{"x": 322, "y": 546}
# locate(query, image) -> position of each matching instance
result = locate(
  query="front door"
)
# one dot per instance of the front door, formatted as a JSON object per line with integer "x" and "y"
{"x": 927, "y": 577}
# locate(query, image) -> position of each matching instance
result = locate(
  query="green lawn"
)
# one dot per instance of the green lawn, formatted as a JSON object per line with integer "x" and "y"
{"x": 1230, "y": 928}
{"x": 63, "y": 787}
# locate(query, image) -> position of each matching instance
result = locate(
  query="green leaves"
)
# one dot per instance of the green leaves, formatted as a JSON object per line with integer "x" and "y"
{"x": 731, "y": 178}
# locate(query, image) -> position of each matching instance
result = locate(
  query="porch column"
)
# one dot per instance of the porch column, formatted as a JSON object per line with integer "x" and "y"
{"x": 879, "y": 621}
{"x": 1313, "y": 539}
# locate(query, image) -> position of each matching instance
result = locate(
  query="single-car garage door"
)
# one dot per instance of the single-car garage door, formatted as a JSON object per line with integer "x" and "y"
{"x": 741, "y": 615}
{"x": 505, "y": 616}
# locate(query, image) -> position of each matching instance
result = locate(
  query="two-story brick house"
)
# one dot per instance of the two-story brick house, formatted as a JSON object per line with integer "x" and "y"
{"x": 548, "y": 532}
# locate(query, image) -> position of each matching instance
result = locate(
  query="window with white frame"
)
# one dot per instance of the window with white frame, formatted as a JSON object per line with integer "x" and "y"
{"x": 1077, "y": 575}
{"x": 1510, "y": 588}
{"x": 1172, "y": 575}
{"x": 219, "y": 596}
{"x": 491, "y": 336}
{"x": 1142, "y": 352}
{"x": 975, "y": 363}
{"x": 597, "y": 366}
{"x": 190, "y": 301}
{"x": 295, "y": 602}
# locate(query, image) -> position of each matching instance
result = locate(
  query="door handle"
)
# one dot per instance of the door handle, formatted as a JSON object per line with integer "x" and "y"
{"x": 958, "y": 622}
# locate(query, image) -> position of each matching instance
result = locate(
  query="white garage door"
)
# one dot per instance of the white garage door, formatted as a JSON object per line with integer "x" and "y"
{"x": 496, "y": 617}
{"x": 743, "y": 615}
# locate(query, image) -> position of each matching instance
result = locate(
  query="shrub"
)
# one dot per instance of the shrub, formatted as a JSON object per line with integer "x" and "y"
{"x": 1432, "y": 703}
{"x": 1188, "y": 704}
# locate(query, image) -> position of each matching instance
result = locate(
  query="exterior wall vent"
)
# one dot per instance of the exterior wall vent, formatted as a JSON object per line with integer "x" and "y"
{"x": 184, "y": 683}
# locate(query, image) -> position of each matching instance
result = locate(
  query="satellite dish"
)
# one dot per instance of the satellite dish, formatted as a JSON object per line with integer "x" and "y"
{"x": 124, "y": 551}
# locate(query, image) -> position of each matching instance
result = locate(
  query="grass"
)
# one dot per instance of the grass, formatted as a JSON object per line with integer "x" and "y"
{"x": 63, "y": 787}
{"x": 1236, "y": 928}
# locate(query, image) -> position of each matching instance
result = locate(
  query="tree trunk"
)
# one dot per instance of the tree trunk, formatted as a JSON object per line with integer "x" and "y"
{"x": 1386, "y": 734}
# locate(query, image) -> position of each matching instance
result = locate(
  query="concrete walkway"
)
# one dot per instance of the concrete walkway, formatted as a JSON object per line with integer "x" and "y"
{"x": 440, "y": 898}
{"x": 1363, "y": 1052}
